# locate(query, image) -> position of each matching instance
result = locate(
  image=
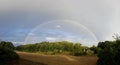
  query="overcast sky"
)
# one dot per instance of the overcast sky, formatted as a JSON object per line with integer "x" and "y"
{"x": 55, "y": 20}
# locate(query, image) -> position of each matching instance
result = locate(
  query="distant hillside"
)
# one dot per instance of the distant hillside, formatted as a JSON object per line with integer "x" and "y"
{"x": 63, "y": 47}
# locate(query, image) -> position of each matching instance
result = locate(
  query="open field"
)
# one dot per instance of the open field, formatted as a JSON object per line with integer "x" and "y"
{"x": 38, "y": 59}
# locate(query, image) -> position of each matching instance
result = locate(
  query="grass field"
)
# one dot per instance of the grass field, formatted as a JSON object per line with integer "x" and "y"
{"x": 39, "y": 59}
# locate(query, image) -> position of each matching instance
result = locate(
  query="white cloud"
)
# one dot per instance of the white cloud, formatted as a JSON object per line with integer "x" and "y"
{"x": 51, "y": 38}
{"x": 58, "y": 26}
{"x": 18, "y": 43}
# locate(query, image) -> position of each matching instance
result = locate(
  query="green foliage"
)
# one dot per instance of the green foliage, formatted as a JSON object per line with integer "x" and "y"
{"x": 105, "y": 44}
{"x": 95, "y": 49}
{"x": 7, "y": 56}
{"x": 7, "y": 45}
{"x": 109, "y": 55}
{"x": 54, "y": 47}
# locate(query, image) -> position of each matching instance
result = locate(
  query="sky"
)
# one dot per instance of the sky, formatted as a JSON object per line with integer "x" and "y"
{"x": 85, "y": 21}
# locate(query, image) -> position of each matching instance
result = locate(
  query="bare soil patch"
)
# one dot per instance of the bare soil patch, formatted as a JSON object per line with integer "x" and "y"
{"x": 58, "y": 59}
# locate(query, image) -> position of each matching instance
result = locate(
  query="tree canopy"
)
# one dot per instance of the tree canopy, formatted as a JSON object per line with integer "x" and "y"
{"x": 54, "y": 47}
{"x": 109, "y": 53}
{"x": 7, "y": 54}
{"x": 7, "y": 45}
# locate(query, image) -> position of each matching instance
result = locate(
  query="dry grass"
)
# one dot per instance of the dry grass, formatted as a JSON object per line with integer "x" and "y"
{"x": 58, "y": 59}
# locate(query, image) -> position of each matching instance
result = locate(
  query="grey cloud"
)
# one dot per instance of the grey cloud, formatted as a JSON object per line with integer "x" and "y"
{"x": 98, "y": 16}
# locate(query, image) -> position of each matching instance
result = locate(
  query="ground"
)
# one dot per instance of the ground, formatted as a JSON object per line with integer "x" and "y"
{"x": 40, "y": 59}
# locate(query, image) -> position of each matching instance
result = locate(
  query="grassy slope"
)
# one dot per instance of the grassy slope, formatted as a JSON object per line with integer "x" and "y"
{"x": 56, "y": 59}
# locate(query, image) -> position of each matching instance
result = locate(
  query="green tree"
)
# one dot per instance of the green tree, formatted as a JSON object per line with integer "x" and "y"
{"x": 7, "y": 44}
{"x": 95, "y": 49}
{"x": 54, "y": 47}
{"x": 109, "y": 54}
{"x": 7, "y": 56}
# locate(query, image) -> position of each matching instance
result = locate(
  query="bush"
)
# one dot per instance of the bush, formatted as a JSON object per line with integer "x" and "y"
{"x": 7, "y": 45}
{"x": 7, "y": 56}
{"x": 79, "y": 53}
{"x": 109, "y": 55}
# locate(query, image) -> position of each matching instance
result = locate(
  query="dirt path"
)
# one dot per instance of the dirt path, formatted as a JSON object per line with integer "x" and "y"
{"x": 59, "y": 59}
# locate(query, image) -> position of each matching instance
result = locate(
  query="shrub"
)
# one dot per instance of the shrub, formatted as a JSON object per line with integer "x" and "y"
{"x": 7, "y": 45}
{"x": 109, "y": 55}
{"x": 79, "y": 53}
{"x": 7, "y": 56}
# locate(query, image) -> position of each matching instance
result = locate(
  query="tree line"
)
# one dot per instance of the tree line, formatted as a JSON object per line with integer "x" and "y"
{"x": 55, "y": 48}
